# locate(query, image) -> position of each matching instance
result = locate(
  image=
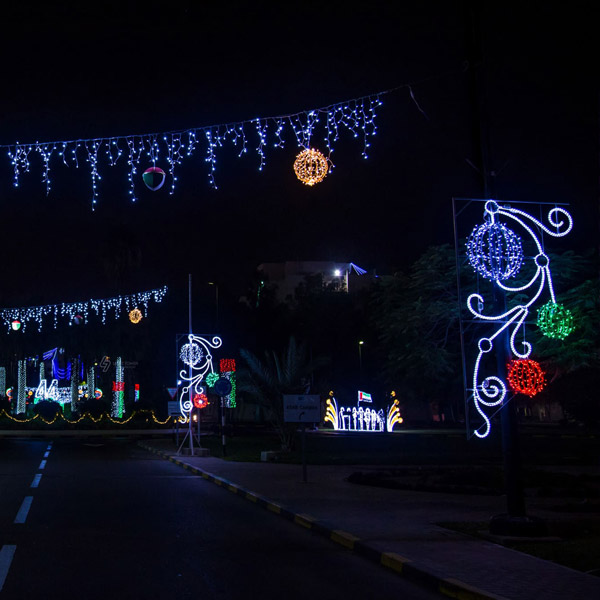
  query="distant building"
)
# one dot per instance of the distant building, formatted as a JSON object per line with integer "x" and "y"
{"x": 287, "y": 277}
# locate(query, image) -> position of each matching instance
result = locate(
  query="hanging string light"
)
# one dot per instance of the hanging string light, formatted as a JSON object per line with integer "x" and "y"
{"x": 80, "y": 311}
{"x": 356, "y": 117}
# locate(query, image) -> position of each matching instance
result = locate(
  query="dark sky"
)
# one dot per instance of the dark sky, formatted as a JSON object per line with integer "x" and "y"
{"x": 79, "y": 71}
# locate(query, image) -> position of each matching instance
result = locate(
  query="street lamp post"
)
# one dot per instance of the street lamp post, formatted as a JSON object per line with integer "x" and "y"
{"x": 360, "y": 345}
{"x": 216, "y": 305}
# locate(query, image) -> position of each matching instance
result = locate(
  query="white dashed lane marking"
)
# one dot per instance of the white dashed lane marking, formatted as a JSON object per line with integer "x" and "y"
{"x": 42, "y": 465}
{"x": 24, "y": 510}
{"x": 36, "y": 480}
{"x": 6, "y": 556}
{"x": 47, "y": 453}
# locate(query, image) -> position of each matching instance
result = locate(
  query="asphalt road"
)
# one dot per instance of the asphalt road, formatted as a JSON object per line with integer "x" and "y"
{"x": 106, "y": 519}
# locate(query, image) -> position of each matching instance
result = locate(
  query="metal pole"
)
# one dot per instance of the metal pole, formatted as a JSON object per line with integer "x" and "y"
{"x": 304, "y": 476}
{"x": 190, "y": 371}
{"x": 223, "y": 440}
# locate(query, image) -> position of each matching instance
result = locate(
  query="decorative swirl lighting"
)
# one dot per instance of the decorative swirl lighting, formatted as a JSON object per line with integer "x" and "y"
{"x": 492, "y": 390}
{"x": 200, "y": 363}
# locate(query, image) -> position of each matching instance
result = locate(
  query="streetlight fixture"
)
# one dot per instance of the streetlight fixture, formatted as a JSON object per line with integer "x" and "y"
{"x": 360, "y": 345}
{"x": 216, "y": 305}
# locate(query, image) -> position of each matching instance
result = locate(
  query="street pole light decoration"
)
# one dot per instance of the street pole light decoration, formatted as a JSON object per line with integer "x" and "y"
{"x": 197, "y": 358}
{"x": 495, "y": 252}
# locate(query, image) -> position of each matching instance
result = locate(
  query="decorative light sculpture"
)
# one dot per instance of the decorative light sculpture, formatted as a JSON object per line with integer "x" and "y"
{"x": 227, "y": 369}
{"x": 15, "y": 317}
{"x": 211, "y": 379}
{"x": 191, "y": 354}
{"x": 200, "y": 400}
{"x": 135, "y": 316}
{"x": 491, "y": 391}
{"x": 154, "y": 178}
{"x": 118, "y": 403}
{"x": 525, "y": 376}
{"x": 353, "y": 418}
{"x": 555, "y": 321}
{"x": 199, "y": 364}
{"x": 495, "y": 251}
{"x": 311, "y": 166}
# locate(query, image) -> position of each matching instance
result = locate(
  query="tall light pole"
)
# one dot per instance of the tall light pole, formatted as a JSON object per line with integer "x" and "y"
{"x": 216, "y": 305}
{"x": 360, "y": 345}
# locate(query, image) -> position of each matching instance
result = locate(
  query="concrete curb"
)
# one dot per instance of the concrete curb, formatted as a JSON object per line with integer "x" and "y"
{"x": 452, "y": 588}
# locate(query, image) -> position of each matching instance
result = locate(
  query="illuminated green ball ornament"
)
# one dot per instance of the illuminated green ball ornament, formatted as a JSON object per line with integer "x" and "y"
{"x": 555, "y": 321}
{"x": 154, "y": 177}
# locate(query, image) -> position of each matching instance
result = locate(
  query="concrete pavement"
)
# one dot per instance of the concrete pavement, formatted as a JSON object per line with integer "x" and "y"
{"x": 396, "y": 527}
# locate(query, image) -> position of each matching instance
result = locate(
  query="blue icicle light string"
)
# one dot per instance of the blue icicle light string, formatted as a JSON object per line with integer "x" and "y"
{"x": 321, "y": 127}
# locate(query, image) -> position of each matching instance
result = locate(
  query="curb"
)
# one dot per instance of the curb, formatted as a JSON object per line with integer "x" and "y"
{"x": 450, "y": 587}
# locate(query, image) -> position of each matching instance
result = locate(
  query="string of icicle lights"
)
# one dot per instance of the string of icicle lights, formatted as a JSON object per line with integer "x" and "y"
{"x": 321, "y": 126}
{"x": 79, "y": 312}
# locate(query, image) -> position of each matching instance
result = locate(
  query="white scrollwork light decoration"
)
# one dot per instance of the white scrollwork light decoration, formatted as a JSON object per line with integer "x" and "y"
{"x": 492, "y": 390}
{"x": 199, "y": 362}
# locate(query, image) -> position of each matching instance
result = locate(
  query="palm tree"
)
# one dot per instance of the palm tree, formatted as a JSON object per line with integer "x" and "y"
{"x": 279, "y": 373}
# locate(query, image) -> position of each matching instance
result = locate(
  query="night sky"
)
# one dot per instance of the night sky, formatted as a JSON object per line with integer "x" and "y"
{"x": 79, "y": 71}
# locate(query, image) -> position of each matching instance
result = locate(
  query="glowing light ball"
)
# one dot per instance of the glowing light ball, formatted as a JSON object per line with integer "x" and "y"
{"x": 555, "y": 321}
{"x": 495, "y": 251}
{"x": 525, "y": 376}
{"x": 16, "y": 325}
{"x": 191, "y": 354}
{"x": 200, "y": 401}
{"x": 311, "y": 166}
{"x": 135, "y": 316}
{"x": 211, "y": 379}
{"x": 154, "y": 178}
{"x": 78, "y": 319}
{"x": 97, "y": 393}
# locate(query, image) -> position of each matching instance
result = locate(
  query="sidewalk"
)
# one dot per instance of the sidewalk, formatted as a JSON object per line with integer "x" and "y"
{"x": 396, "y": 528}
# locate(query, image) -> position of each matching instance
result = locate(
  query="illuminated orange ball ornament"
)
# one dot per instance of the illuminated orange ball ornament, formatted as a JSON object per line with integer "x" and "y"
{"x": 525, "y": 376}
{"x": 311, "y": 166}
{"x": 135, "y": 316}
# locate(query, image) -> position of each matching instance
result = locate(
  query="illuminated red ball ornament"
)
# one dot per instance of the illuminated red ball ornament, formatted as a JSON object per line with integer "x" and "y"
{"x": 200, "y": 401}
{"x": 525, "y": 376}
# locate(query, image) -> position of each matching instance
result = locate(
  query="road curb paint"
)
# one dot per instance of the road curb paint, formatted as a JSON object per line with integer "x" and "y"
{"x": 449, "y": 587}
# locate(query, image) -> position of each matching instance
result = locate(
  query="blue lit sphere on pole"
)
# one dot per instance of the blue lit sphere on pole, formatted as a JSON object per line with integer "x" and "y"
{"x": 555, "y": 321}
{"x": 495, "y": 251}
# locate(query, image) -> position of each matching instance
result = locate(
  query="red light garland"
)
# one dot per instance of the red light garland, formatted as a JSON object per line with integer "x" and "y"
{"x": 525, "y": 376}
{"x": 227, "y": 365}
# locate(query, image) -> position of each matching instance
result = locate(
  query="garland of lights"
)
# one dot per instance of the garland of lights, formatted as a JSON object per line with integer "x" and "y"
{"x": 356, "y": 116}
{"x": 227, "y": 369}
{"x": 194, "y": 371}
{"x": 500, "y": 259}
{"x": 81, "y": 310}
{"x": 88, "y": 416}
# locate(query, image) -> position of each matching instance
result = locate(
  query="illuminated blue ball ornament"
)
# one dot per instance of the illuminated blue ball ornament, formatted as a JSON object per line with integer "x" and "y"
{"x": 494, "y": 250}
{"x": 154, "y": 178}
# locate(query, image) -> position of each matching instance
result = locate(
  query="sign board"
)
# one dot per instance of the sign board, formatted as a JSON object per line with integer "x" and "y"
{"x": 222, "y": 387}
{"x": 172, "y": 392}
{"x": 301, "y": 409}
{"x": 173, "y": 408}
